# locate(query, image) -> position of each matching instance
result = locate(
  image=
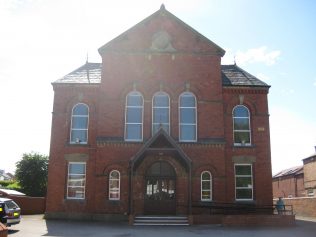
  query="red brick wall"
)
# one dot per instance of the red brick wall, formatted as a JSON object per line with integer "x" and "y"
{"x": 289, "y": 185}
{"x": 3, "y": 231}
{"x": 30, "y": 205}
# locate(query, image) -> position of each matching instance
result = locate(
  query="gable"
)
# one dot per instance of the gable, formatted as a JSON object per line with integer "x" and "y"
{"x": 162, "y": 32}
{"x": 161, "y": 142}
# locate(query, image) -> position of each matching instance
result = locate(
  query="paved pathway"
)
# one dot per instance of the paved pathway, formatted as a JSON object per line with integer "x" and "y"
{"x": 36, "y": 226}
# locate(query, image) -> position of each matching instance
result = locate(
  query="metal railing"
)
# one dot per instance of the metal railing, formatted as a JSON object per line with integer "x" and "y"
{"x": 242, "y": 208}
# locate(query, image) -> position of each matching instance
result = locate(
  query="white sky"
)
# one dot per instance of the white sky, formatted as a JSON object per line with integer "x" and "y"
{"x": 42, "y": 40}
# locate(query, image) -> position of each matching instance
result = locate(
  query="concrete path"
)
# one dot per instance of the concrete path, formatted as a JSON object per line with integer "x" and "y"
{"x": 35, "y": 226}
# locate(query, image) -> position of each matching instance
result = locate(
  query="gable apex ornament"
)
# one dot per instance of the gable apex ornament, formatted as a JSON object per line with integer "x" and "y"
{"x": 161, "y": 42}
{"x": 162, "y": 7}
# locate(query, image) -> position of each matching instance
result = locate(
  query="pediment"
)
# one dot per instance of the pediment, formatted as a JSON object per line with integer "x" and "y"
{"x": 161, "y": 142}
{"x": 162, "y": 32}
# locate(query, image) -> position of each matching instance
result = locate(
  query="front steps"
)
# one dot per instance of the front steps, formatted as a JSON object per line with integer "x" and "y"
{"x": 161, "y": 220}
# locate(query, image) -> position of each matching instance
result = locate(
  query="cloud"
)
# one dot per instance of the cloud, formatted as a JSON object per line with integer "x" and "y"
{"x": 258, "y": 55}
{"x": 263, "y": 77}
{"x": 255, "y": 55}
{"x": 292, "y": 138}
{"x": 314, "y": 83}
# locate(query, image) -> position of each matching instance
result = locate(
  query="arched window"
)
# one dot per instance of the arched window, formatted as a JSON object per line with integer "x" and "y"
{"x": 161, "y": 111}
{"x": 114, "y": 185}
{"x": 134, "y": 116}
{"x": 79, "y": 124}
{"x": 206, "y": 186}
{"x": 241, "y": 123}
{"x": 187, "y": 117}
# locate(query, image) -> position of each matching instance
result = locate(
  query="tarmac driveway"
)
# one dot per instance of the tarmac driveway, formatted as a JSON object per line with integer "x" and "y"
{"x": 35, "y": 226}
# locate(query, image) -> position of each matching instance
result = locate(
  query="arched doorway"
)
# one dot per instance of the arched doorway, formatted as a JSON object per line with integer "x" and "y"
{"x": 160, "y": 189}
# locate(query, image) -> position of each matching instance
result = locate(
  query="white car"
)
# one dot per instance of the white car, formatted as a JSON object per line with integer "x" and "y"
{"x": 10, "y": 212}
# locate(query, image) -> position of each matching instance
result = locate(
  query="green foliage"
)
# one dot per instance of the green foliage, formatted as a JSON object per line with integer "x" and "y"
{"x": 15, "y": 186}
{"x": 31, "y": 173}
{"x": 5, "y": 183}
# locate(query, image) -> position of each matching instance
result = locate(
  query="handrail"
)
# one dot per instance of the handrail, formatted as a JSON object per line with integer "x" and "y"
{"x": 243, "y": 208}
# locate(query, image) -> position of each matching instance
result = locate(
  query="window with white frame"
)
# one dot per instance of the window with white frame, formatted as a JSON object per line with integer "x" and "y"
{"x": 241, "y": 124}
{"x": 310, "y": 192}
{"x": 79, "y": 124}
{"x": 134, "y": 116}
{"x": 206, "y": 186}
{"x": 187, "y": 117}
{"x": 243, "y": 182}
{"x": 161, "y": 112}
{"x": 114, "y": 185}
{"x": 76, "y": 180}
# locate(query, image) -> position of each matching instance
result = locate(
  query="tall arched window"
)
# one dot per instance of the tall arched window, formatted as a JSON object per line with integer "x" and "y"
{"x": 161, "y": 112}
{"x": 134, "y": 116}
{"x": 187, "y": 117}
{"x": 114, "y": 185}
{"x": 79, "y": 124}
{"x": 206, "y": 186}
{"x": 241, "y": 124}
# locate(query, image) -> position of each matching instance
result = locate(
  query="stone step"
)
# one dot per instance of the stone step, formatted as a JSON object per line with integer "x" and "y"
{"x": 161, "y": 220}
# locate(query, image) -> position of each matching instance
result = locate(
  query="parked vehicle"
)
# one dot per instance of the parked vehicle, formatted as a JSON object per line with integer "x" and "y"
{"x": 10, "y": 212}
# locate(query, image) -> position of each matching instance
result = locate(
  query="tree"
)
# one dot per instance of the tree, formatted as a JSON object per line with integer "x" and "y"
{"x": 31, "y": 173}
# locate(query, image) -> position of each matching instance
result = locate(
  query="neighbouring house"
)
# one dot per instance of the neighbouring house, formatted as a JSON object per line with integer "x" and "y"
{"x": 6, "y": 176}
{"x": 160, "y": 127}
{"x": 299, "y": 181}
{"x": 289, "y": 183}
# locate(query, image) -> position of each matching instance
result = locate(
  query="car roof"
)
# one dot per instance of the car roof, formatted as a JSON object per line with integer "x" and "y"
{"x": 5, "y": 199}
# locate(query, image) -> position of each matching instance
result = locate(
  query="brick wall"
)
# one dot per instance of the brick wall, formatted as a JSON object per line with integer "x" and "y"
{"x": 30, "y": 205}
{"x": 310, "y": 174}
{"x": 3, "y": 231}
{"x": 289, "y": 186}
{"x": 304, "y": 206}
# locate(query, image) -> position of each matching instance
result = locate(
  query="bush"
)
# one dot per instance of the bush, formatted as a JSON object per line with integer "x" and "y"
{"x": 5, "y": 183}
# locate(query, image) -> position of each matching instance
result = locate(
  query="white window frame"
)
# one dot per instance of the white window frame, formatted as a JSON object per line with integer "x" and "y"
{"x": 310, "y": 192}
{"x": 190, "y": 124}
{"x": 85, "y": 180}
{"x": 118, "y": 189}
{"x": 210, "y": 188}
{"x": 160, "y": 107}
{"x": 85, "y": 129}
{"x": 243, "y": 176}
{"x": 234, "y": 130}
{"x": 142, "y": 116}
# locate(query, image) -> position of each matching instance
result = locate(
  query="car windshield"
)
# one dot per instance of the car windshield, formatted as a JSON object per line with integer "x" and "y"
{"x": 11, "y": 204}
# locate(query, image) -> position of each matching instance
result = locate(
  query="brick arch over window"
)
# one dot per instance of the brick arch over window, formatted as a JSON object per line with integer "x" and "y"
{"x": 110, "y": 192}
{"x": 230, "y": 104}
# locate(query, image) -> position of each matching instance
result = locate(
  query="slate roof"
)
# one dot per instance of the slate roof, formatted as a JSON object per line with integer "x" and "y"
{"x": 232, "y": 75}
{"x": 88, "y": 73}
{"x": 291, "y": 171}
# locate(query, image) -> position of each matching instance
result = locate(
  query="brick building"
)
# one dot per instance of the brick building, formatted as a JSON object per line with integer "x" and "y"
{"x": 289, "y": 183}
{"x": 299, "y": 181}
{"x": 159, "y": 127}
